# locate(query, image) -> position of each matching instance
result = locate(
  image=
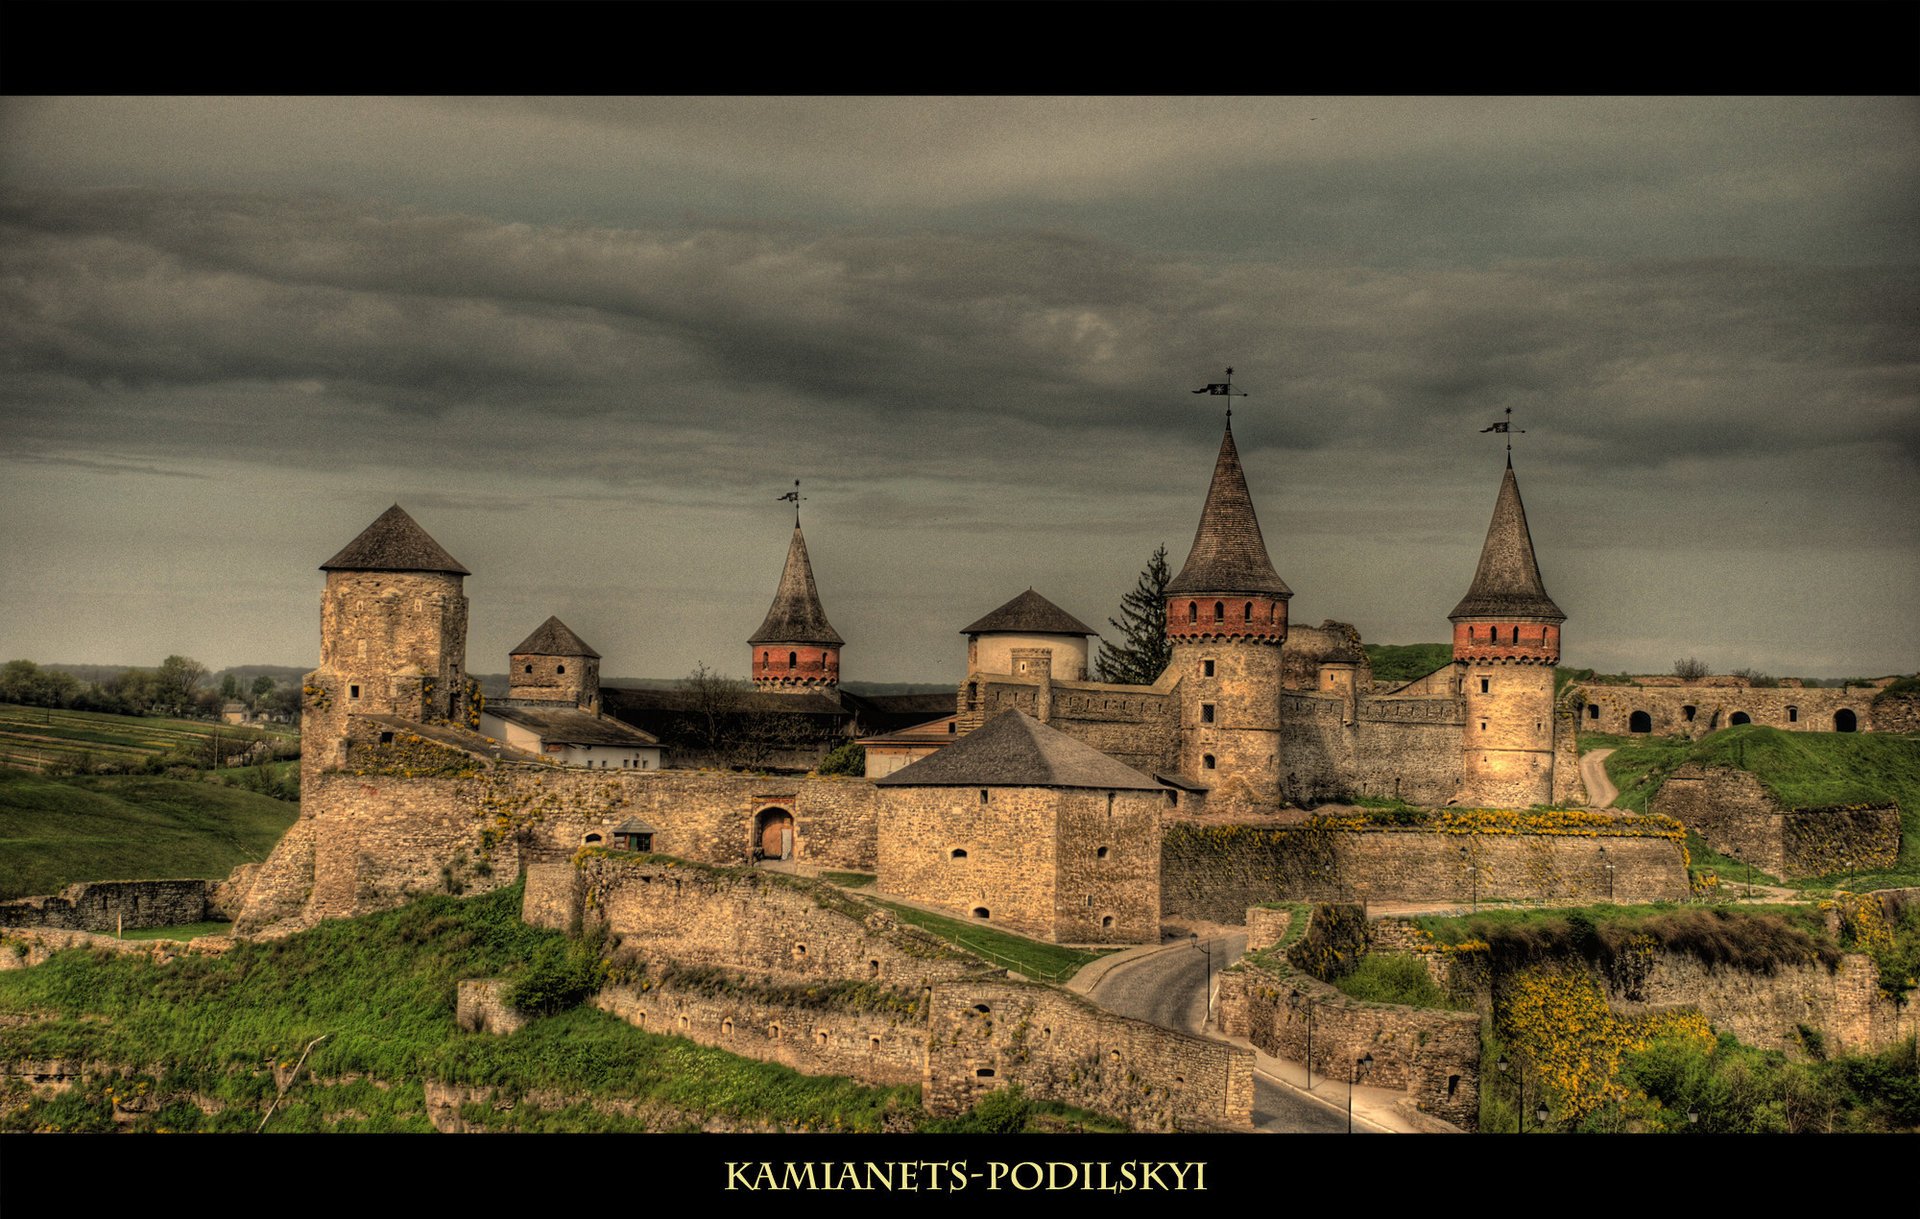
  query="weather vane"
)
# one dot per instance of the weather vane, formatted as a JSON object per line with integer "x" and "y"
{"x": 794, "y": 498}
{"x": 1506, "y": 427}
{"x": 1222, "y": 389}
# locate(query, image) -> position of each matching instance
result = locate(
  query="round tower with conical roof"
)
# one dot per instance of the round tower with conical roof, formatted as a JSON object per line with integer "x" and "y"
{"x": 554, "y": 665}
{"x": 1506, "y": 641}
{"x": 796, "y": 650}
{"x": 393, "y": 635}
{"x": 1227, "y": 621}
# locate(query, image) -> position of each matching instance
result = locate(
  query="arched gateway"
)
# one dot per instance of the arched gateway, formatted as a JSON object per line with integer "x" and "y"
{"x": 773, "y": 834}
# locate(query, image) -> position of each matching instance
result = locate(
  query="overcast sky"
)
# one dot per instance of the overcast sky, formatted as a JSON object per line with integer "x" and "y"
{"x": 588, "y": 342}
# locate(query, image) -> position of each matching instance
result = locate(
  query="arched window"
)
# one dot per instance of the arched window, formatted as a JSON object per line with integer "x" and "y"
{"x": 1845, "y": 721}
{"x": 793, "y": 659}
{"x": 1639, "y": 721}
{"x": 1219, "y": 611}
{"x": 1207, "y": 761}
{"x": 1593, "y": 711}
{"x": 528, "y": 669}
{"x": 1516, "y": 634}
{"x": 1193, "y": 611}
{"x": 1246, "y": 615}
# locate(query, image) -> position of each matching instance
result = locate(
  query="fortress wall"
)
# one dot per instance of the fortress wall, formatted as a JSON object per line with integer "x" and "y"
{"x": 1217, "y": 871}
{"x": 748, "y": 920}
{"x": 1737, "y": 816}
{"x": 376, "y": 836}
{"x": 875, "y": 1045}
{"x": 1434, "y": 1056}
{"x": 1766, "y": 1010}
{"x": 985, "y": 1035}
{"x": 1407, "y": 748}
{"x": 1714, "y": 707}
{"x": 105, "y": 905}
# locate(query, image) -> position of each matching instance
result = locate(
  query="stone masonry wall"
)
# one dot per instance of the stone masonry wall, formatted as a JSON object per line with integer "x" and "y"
{"x": 948, "y": 847}
{"x": 1738, "y": 816}
{"x": 103, "y": 905}
{"x": 1139, "y": 725}
{"x": 1405, "y": 748}
{"x": 660, "y": 909}
{"x": 1795, "y": 709}
{"x": 479, "y": 1007}
{"x": 371, "y": 836}
{"x": 1217, "y": 871}
{"x": 1266, "y": 927}
{"x": 1846, "y": 1005}
{"x": 874, "y": 1046}
{"x": 1056, "y": 1046}
{"x": 1434, "y": 1056}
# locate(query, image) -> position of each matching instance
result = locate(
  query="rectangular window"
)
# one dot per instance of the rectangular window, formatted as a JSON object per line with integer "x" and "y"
{"x": 1483, "y": 685}
{"x": 1206, "y": 713}
{"x": 1208, "y": 667}
{"x": 353, "y": 691}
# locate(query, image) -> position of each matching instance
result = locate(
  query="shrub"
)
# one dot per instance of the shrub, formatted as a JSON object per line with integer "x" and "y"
{"x": 846, "y": 759}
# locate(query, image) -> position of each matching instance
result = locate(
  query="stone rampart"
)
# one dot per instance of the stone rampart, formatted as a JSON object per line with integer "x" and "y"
{"x": 876, "y": 1043}
{"x": 1845, "y": 1005}
{"x": 1738, "y": 816}
{"x": 1695, "y": 710}
{"x": 403, "y": 820}
{"x": 756, "y": 921}
{"x": 1267, "y": 926}
{"x": 986, "y": 1035}
{"x": 1433, "y": 1056}
{"x": 106, "y": 905}
{"x": 1216, "y": 871}
{"x": 1392, "y": 747}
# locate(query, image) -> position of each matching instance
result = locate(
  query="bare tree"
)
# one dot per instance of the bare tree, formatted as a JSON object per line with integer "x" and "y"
{"x": 1690, "y": 669}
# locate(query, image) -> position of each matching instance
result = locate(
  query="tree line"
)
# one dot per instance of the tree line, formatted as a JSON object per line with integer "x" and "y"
{"x": 178, "y": 686}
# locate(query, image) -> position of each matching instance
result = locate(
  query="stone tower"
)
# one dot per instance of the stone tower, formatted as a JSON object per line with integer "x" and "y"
{"x": 393, "y": 636}
{"x": 1506, "y": 640}
{"x": 554, "y": 665}
{"x": 796, "y": 650}
{"x": 1227, "y": 620}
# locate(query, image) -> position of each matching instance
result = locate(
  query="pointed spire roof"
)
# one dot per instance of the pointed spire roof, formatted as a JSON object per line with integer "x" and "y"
{"x": 1507, "y": 582}
{"x": 394, "y": 542}
{"x": 1015, "y": 750}
{"x": 1030, "y": 614}
{"x": 553, "y": 638}
{"x": 796, "y": 616}
{"x": 1229, "y": 555}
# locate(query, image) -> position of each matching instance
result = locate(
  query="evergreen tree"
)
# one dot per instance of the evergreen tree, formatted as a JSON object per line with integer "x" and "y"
{"x": 1142, "y": 624}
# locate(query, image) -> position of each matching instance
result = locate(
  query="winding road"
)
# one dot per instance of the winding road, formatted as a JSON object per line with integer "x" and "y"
{"x": 1170, "y": 989}
{"x": 1593, "y": 772}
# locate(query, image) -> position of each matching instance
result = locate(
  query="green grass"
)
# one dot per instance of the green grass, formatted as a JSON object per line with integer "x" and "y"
{"x": 1801, "y": 769}
{"x": 1393, "y": 978}
{"x": 381, "y": 988}
{"x": 37, "y": 738}
{"x": 1404, "y": 662}
{"x": 56, "y": 831}
{"x": 183, "y": 931}
{"x": 1034, "y": 958}
{"x": 848, "y": 880}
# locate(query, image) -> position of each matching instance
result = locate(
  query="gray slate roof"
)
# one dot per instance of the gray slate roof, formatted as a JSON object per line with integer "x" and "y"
{"x": 1229, "y": 555}
{"x": 394, "y": 542}
{"x": 1015, "y": 750}
{"x": 1507, "y": 582}
{"x": 796, "y": 616}
{"x": 572, "y": 726}
{"x": 553, "y": 638}
{"x": 1030, "y": 614}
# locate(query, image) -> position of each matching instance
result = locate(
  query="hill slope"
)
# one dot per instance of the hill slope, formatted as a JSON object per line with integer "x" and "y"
{"x": 54, "y": 832}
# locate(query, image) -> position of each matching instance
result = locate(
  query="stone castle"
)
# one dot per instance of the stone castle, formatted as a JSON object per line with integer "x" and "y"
{"x": 1045, "y": 804}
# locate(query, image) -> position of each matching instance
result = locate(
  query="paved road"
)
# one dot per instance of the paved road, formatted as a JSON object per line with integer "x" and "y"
{"x": 1169, "y": 989}
{"x": 1600, "y": 789}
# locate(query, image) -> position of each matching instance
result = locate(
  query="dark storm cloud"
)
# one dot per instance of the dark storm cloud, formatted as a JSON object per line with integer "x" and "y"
{"x": 338, "y": 306}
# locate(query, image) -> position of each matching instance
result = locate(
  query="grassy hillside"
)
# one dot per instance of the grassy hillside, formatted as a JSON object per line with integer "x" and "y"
{"x": 381, "y": 988}
{"x": 54, "y": 832}
{"x": 1801, "y": 769}
{"x": 41, "y": 739}
{"x": 1402, "y": 662}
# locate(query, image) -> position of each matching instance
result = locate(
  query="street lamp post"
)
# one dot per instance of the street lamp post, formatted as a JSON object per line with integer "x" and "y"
{"x": 1360, "y": 1067}
{"x": 1309, "y": 999}
{"x": 1520, "y": 1107}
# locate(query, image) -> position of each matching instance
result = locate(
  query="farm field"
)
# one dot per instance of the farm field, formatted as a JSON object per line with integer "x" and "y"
{"x": 44, "y": 739}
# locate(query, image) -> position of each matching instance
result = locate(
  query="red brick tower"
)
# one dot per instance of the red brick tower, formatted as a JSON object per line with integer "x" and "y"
{"x": 1227, "y": 620}
{"x": 796, "y": 650}
{"x": 1506, "y": 641}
